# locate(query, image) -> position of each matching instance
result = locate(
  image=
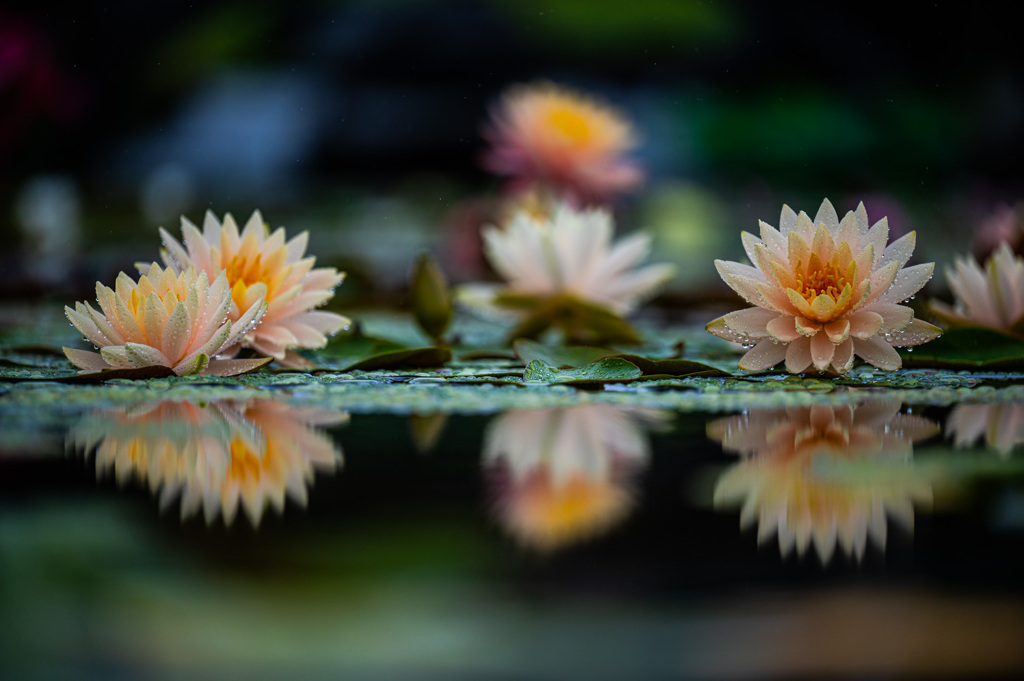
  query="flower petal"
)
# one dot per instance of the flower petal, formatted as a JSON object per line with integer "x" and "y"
{"x": 899, "y": 251}
{"x": 139, "y": 355}
{"x": 842, "y": 360}
{"x": 822, "y": 350}
{"x": 234, "y": 367}
{"x": 865, "y": 323}
{"x": 783, "y": 329}
{"x": 894, "y": 317}
{"x": 750, "y": 322}
{"x": 806, "y": 327}
{"x": 877, "y": 352}
{"x": 838, "y": 331}
{"x": 798, "y": 355}
{"x": 827, "y": 215}
{"x": 83, "y": 359}
{"x": 915, "y": 333}
{"x": 194, "y": 365}
{"x": 909, "y": 281}
{"x": 762, "y": 356}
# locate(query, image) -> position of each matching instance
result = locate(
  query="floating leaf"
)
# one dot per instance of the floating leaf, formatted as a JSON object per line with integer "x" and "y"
{"x": 581, "y": 322}
{"x": 431, "y": 297}
{"x": 972, "y": 348}
{"x": 674, "y": 367}
{"x": 417, "y": 358}
{"x": 612, "y": 370}
{"x": 559, "y": 356}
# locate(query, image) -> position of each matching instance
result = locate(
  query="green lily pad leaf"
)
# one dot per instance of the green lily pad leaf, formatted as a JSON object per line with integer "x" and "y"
{"x": 567, "y": 356}
{"x": 141, "y": 373}
{"x": 674, "y": 367}
{"x": 414, "y": 358}
{"x": 972, "y": 348}
{"x": 580, "y": 321}
{"x": 611, "y": 370}
{"x": 430, "y": 296}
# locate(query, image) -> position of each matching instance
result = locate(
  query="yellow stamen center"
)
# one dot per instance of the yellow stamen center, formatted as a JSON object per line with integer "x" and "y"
{"x": 245, "y": 464}
{"x": 820, "y": 279}
{"x": 571, "y": 124}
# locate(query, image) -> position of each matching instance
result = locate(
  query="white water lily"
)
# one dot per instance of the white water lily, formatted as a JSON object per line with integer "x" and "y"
{"x": 179, "y": 321}
{"x": 824, "y": 292}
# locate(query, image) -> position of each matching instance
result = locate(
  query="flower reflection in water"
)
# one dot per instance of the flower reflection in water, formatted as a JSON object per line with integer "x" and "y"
{"x": 562, "y": 475}
{"x": 823, "y": 474}
{"x": 215, "y": 456}
{"x": 1001, "y": 425}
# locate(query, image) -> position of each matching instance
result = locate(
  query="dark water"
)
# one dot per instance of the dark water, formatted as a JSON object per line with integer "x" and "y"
{"x": 262, "y": 539}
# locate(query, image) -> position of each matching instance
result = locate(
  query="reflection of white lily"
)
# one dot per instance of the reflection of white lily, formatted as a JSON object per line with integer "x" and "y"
{"x": 1001, "y": 425}
{"x": 564, "y": 474}
{"x": 787, "y": 482}
{"x": 214, "y": 457}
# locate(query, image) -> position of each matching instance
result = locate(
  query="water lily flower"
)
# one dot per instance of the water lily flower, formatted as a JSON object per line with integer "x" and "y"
{"x": 823, "y": 475}
{"x": 824, "y": 292}
{"x": 545, "y": 136}
{"x": 561, "y": 475}
{"x": 176, "y": 320}
{"x": 550, "y": 263}
{"x": 214, "y": 457}
{"x": 261, "y": 264}
{"x": 992, "y": 297}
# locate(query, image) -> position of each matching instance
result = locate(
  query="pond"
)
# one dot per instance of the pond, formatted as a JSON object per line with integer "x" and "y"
{"x": 380, "y": 525}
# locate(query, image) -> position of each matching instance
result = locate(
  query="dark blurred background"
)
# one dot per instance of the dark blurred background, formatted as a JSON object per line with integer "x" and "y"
{"x": 360, "y": 122}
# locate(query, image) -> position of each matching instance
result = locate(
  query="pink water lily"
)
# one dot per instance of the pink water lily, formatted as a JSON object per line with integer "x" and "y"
{"x": 261, "y": 264}
{"x": 166, "y": 319}
{"x": 824, "y": 291}
{"x": 543, "y": 136}
{"x": 992, "y": 296}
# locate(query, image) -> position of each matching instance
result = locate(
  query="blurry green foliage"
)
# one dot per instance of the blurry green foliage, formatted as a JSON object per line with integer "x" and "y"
{"x": 600, "y": 28}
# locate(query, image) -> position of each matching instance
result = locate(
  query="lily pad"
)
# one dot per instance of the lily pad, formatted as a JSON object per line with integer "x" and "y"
{"x": 565, "y": 356}
{"x": 973, "y": 348}
{"x": 366, "y": 353}
{"x": 611, "y": 370}
{"x": 417, "y": 358}
{"x": 674, "y": 367}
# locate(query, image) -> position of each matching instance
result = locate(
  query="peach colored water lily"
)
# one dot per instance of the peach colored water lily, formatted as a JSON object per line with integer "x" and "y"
{"x": 261, "y": 264}
{"x": 992, "y": 296}
{"x": 823, "y": 476}
{"x": 216, "y": 457}
{"x": 543, "y": 136}
{"x": 570, "y": 253}
{"x": 176, "y": 320}
{"x": 824, "y": 291}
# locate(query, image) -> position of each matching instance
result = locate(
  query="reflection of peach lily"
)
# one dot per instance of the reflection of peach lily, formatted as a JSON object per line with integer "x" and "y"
{"x": 783, "y": 482}
{"x": 992, "y": 297}
{"x": 549, "y": 138}
{"x": 262, "y": 265}
{"x": 1000, "y": 425}
{"x": 564, "y": 474}
{"x": 824, "y": 292}
{"x": 166, "y": 319}
{"x": 215, "y": 457}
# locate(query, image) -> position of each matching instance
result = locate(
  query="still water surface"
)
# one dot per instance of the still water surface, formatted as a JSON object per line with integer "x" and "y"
{"x": 263, "y": 538}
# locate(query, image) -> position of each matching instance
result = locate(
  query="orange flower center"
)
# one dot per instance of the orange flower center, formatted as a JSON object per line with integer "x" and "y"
{"x": 246, "y": 465}
{"x": 242, "y": 270}
{"x": 820, "y": 278}
{"x": 571, "y": 124}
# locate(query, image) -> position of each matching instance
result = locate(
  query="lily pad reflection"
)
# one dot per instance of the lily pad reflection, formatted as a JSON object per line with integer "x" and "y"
{"x": 827, "y": 475}
{"x": 563, "y": 475}
{"x": 215, "y": 456}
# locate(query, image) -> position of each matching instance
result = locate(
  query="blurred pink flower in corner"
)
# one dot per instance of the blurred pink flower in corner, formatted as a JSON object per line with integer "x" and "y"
{"x": 992, "y": 296}
{"x": 560, "y": 141}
